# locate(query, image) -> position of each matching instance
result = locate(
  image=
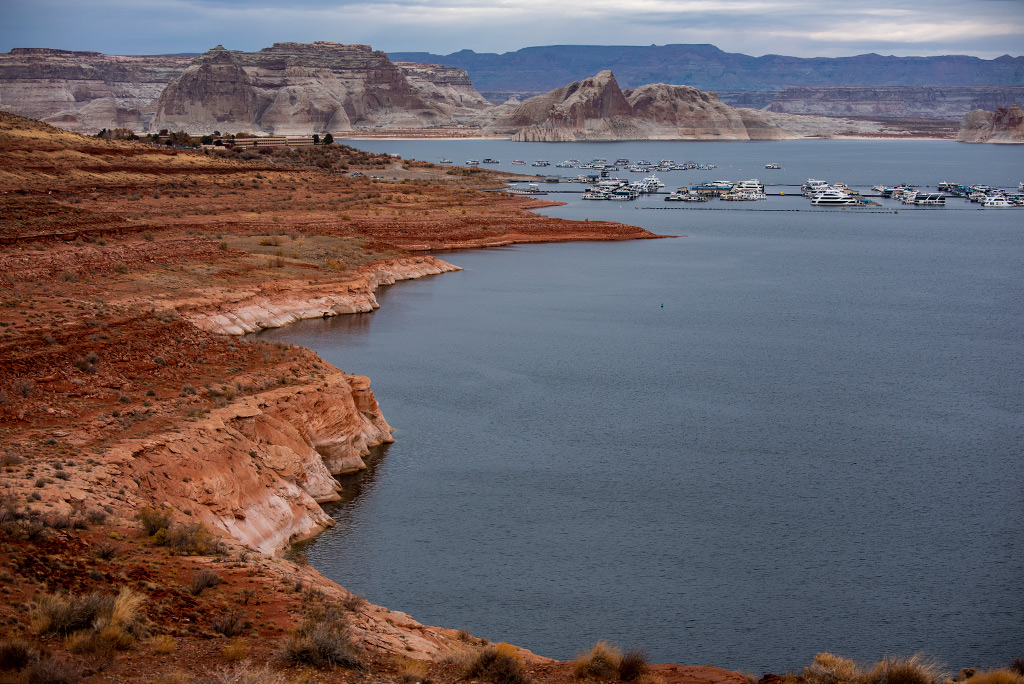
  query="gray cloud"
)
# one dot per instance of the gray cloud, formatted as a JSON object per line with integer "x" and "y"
{"x": 985, "y": 28}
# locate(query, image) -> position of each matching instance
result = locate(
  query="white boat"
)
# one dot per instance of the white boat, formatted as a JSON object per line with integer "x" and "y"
{"x": 773, "y": 165}
{"x": 446, "y": 161}
{"x": 833, "y": 198}
{"x": 488, "y": 160}
{"x": 686, "y": 197}
{"x": 752, "y": 185}
{"x": 996, "y": 202}
{"x": 813, "y": 187}
{"x": 929, "y": 199}
{"x": 518, "y": 161}
{"x": 472, "y": 162}
{"x": 593, "y": 194}
{"x": 541, "y": 162}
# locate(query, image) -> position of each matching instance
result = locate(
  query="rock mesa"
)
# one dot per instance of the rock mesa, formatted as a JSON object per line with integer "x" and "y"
{"x": 597, "y": 109}
{"x": 1005, "y": 125}
{"x": 296, "y": 89}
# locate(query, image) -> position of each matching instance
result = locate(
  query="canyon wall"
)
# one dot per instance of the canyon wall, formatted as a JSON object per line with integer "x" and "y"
{"x": 925, "y": 102}
{"x": 297, "y": 89}
{"x": 85, "y": 91}
{"x": 1005, "y": 125}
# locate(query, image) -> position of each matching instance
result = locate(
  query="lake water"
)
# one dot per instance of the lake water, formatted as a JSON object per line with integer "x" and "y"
{"x": 790, "y": 431}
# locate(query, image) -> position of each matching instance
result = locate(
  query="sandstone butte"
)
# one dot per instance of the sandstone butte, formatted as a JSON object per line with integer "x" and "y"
{"x": 127, "y": 274}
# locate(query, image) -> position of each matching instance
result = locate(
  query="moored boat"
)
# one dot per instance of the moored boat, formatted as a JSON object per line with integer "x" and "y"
{"x": 996, "y": 202}
{"x": 833, "y": 198}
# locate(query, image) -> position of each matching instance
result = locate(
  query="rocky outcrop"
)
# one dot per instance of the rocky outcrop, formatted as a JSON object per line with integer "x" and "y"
{"x": 85, "y": 91}
{"x": 274, "y": 304}
{"x": 596, "y": 109}
{"x": 258, "y": 468}
{"x": 296, "y": 89}
{"x": 1005, "y": 125}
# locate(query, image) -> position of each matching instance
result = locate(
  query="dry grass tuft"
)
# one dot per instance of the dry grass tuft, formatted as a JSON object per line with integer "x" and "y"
{"x": 1000, "y": 676}
{"x": 633, "y": 665}
{"x": 602, "y": 662}
{"x": 832, "y": 669}
{"x": 16, "y": 653}
{"x": 163, "y": 644}
{"x": 499, "y": 664}
{"x": 916, "y": 669}
{"x": 50, "y": 670}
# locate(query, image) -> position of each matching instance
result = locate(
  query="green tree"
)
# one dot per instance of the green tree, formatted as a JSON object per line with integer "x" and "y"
{"x": 316, "y": 139}
{"x": 328, "y": 139}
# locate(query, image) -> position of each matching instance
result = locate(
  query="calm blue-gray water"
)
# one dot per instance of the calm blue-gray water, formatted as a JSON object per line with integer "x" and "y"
{"x": 784, "y": 433}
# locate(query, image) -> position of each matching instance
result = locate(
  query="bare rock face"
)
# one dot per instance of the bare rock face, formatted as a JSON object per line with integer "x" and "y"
{"x": 685, "y": 112}
{"x": 85, "y": 91}
{"x": 928, "y": 102}
{"x": 258, "y": 468}
{"x": 1005, "y": 125}
{"x": 596, "y": 109}
{"x": 296, "y": 89}
{"x": 591, "y": 109}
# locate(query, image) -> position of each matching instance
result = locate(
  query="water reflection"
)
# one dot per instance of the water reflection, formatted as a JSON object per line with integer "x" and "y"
{"x": 356, "y": 485}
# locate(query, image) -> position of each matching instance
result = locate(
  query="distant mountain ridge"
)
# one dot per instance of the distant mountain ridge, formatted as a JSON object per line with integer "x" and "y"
{"x": 544, "y": 68}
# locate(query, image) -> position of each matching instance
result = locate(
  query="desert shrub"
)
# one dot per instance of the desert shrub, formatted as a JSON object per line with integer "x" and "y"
{"x": 633, "y": 665}
{"x": 62, "y": 613}
{"x": 232, "y": 623}
{"x": 602, "y": 662}
{"x": 16, "y": 653}
{"x": 105, "y": 622}
{"x": 203, "y": 579}
{"x": 189, "y": 539}
{"x": 832, "y": 669}
{"x": 499, "y": 664}
{"x": 154, "y": 519}
{"x": 96, "y": 515}
{"x": 50, "y": 670}
{"x": 322, "y": 640}
{"x": 98, "y": 650}
{"x": 917, "y": 669}
{"x": 1000, "y": 676}
{"x": 246, "y": 673}
{"x": 353, "y": 602}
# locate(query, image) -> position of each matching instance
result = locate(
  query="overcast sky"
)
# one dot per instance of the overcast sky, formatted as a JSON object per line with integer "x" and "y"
{"x": 984, "y": 28}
